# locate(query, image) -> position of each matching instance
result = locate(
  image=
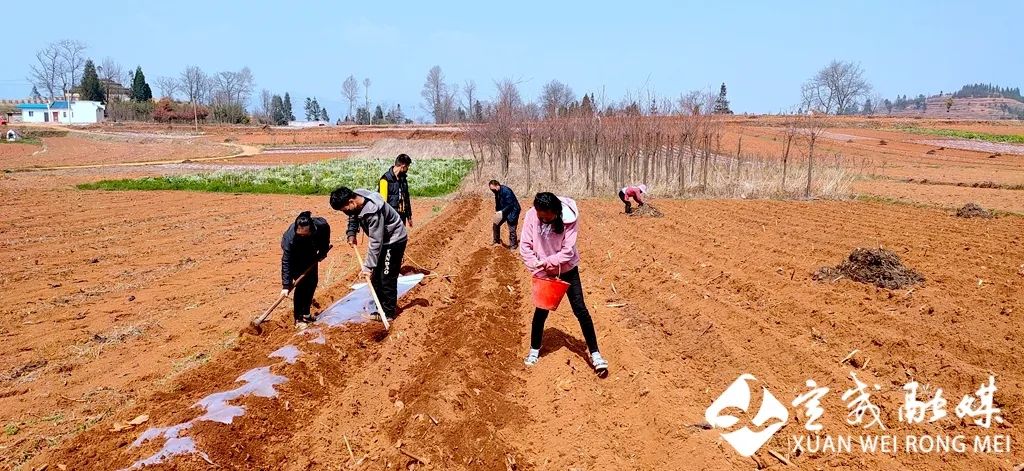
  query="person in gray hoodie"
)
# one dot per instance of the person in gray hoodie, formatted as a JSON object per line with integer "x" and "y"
{"x": 383, "y": 226}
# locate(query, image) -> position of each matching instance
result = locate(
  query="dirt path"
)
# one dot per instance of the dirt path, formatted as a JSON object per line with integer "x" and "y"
{"x": 240, "y": 150}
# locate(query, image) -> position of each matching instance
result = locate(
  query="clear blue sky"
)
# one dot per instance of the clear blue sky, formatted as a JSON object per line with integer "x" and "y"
{"x": 762, "y": 50}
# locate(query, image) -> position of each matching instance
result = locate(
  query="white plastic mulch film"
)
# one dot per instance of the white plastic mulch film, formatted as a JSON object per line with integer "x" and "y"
{"x": 260, "y": 381}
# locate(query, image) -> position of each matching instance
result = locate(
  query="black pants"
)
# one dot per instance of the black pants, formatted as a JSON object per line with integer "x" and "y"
{"x": 385, "y": 276}
{"x": 629, "y": 206}
{"x": 579, "y": 308}
{"x": 302, "y": 295}
{"x": 513, "y": 239}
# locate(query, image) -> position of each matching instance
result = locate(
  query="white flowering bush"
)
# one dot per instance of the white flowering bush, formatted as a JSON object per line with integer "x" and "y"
{"x": 429, "y": 177}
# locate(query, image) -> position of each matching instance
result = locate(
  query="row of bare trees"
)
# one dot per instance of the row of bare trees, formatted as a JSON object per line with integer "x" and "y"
{"x": 586, "y": 152}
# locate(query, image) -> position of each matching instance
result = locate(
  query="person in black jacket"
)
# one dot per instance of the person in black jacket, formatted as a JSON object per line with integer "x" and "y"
{"x": 303, "y": 245}
{"x": 394, "y": 188}
{"x": 506, "y": 210}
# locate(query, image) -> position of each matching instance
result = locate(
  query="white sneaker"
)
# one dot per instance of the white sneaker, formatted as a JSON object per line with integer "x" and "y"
{"x": 599, "y": 363}
{"x": 532, "y": 357}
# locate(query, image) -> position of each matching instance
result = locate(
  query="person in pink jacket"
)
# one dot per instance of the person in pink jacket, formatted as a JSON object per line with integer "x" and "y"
{"x": 548, "y": 247}
{"x": 635, "y": 193}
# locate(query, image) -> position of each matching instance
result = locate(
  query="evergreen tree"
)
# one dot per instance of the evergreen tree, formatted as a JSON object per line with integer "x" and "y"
{"x": 35, "y": 94}
{"x": 90, "y": 87}
{"x": 721, "y": 103}
{"x": 140, "y": 89}
{"x": 289, "y": 116}
{"x": 309, "y": 109}
{"x": 397, "y": 116}
{"x": 587, "y": 106}
{"x": 478, "y": 112}
{"x": 316, "y": 109}
{"x": 362, "y": 116}
{"x": 378, "y": 114}
{"x": 869, "y": 108}
{"x": 324, "y": 116}
{"x": 277, "y": 111}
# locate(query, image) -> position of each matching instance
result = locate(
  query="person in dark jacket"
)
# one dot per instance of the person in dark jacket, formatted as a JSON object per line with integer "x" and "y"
{"x": 506, "y": 210}
{"x": 388, "y": 238}
{"x": 394, "y": 188}
{"x": 303, "y": 245}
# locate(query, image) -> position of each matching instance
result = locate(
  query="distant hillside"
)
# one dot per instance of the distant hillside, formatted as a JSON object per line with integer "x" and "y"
{"x": 987, "y": 90}
{"x": 965, "y": 108}
{"x": 974, "y": 101}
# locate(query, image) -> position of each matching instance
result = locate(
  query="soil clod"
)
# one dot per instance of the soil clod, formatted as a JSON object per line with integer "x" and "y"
{"x": 973, "y": 210}
{"x": 879, "y": 267}
{"x": 648, "y": 211}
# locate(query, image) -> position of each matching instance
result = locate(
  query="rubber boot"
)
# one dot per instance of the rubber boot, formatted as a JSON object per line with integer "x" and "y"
{"x": 497, "y": 234}
{"x": 513, "y": 239}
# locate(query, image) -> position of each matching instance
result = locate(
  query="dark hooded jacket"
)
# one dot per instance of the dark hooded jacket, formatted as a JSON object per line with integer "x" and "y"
{"x": 505, "y": 201}
{"x": 298, "y": 253}
{"x": 395, "y": 190}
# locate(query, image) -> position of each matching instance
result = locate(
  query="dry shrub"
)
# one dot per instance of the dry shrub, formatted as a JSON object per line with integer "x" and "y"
{"x": 417, "y": 149}
{"x": 879, "y": 267}
{"x": 973, "y": 210}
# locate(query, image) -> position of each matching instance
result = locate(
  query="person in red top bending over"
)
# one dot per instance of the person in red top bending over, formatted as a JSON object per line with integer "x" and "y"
{"x": 636, "y": 193}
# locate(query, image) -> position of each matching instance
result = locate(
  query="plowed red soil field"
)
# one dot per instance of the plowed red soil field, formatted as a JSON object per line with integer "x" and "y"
{"x": 683, "y": 305}
{"x": 910, "y": 167}
{"x": 94, "y": 149}
{"x": 122, "y": 304}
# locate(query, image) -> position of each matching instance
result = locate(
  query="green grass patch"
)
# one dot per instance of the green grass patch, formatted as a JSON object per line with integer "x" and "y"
{"x": 980, "y": 136}
{"x": 430, "y": 177}
{"x": 24, "y": 140}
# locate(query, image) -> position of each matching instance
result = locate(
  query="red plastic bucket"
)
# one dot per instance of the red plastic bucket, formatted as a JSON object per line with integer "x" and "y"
{"x": 548, "y": 292}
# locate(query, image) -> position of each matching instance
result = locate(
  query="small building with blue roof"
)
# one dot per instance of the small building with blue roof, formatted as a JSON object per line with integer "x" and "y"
{"x": 62, "y": 112}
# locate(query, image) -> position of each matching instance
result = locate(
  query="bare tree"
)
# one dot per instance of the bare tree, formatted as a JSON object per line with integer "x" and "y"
{"x": 788, "y": 135}
{"x": 366, "y": 106}
{"x": 224, "y": 87}
{"x": 812, "y": 125}
{"x": 194, "y": 84}
{"x": 72, "y": 60}
{"x": 555, "y": 96}
{"x": 507, "y": 114}
{"x": 262, "y": 112}
{"x": 469, "y": 92}
{"x": 438, "y": 98}
{"x": 45, "y": 73}
{"x": 233, "y": 87}
{"x": 835, "y": 88}
{"x": 111, "y": 71}
{"x": 168, "y": 86}
{"x": 692, "y": 103}
{"x": 246, "y": 82}
{"x": 350, "y": 89}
